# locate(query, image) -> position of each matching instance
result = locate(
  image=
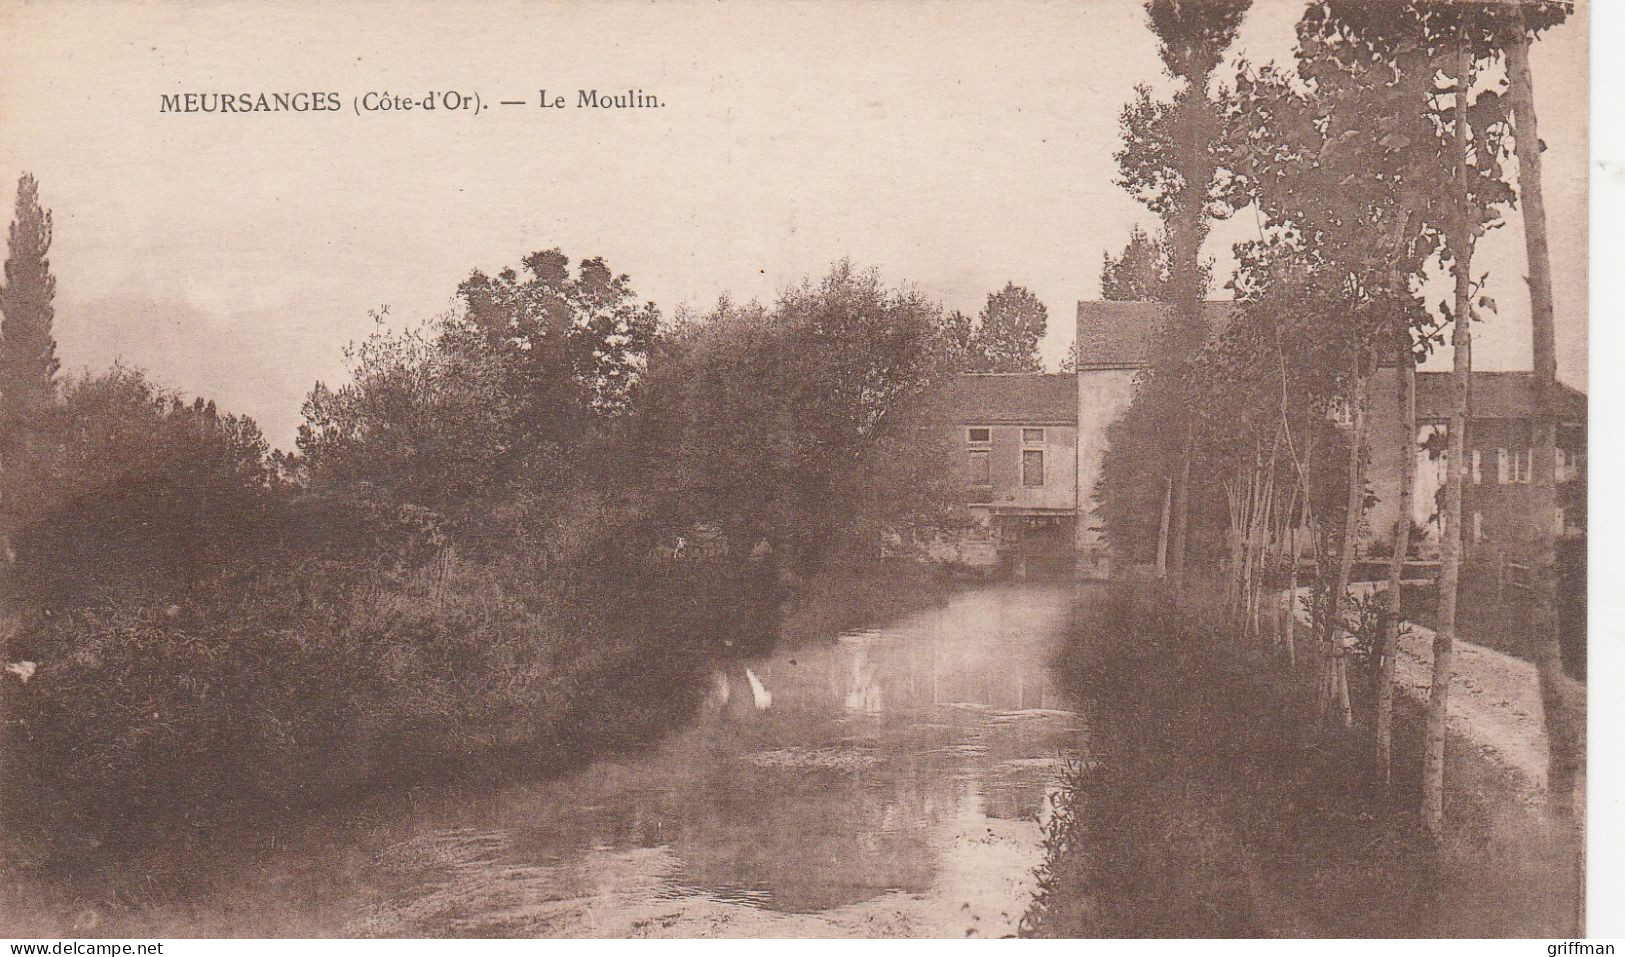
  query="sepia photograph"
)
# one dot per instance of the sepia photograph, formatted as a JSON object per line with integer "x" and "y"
{"x": 952, "y": 469}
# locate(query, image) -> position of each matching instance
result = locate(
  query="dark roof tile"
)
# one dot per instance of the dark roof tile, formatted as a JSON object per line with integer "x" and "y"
{"x": 1495, "y": 395}
{"x": 1010, "y": 398}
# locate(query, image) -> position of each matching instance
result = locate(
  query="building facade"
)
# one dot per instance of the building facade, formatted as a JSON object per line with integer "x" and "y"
{"x": 1029, "y": 449}
{"x": 1498, "y": 499}
{"x": 1014, "y": 439}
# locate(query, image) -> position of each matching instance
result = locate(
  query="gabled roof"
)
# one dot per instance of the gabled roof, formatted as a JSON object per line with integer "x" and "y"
{"x": 995, "y": 398}
{"x": 1495, "y": 395}
{"x": 1119, "y": 335}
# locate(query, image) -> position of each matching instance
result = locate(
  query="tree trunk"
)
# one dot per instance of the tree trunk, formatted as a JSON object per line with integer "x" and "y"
{"x": 1182, "y": 508}
{"x": 1258, "y": 537}
{"x": 1162, "y": 531}
{"x": 8, "y": 570}
{"x": 1461, "y": 248}
{"x": 1289, "y": 626}
{"x": 1240, "y": 504}
{"x": 1564, "y": 735}
{"x": 1186, "y": 227}
{"x": 15, "y": 455}
{"x": 1406, "y": 444}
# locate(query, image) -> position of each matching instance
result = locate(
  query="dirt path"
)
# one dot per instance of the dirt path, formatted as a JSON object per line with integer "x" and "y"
{"x": 1494, "y": 701}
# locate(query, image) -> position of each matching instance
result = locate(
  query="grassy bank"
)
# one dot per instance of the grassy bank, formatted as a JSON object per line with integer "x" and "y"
{"x": 1211, "y": 805}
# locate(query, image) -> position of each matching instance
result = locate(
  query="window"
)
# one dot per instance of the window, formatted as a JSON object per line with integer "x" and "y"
{"x": 1562, "y": 523}
{"x": 1341, "y": 413}
{"x": 1478, "y": 527}
{"x": 1032, "y": 468}
{"x": 1568, "y": 467}
{"x": 1478, "y": 468}
{"x": 979, "y": 473}
{"x": 1032, "y": 436}
{"x": 1519, "y": 465}
{"x": 979, "y": 436}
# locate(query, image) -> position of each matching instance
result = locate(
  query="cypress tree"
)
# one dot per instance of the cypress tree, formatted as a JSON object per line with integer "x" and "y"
{"x": 28, "y": 362}
{"x": 28, "y": 366}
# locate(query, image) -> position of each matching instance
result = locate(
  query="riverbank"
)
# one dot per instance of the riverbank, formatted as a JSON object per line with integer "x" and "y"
{"x": 882, "y": 780}
{"x": 1213, "y": 806}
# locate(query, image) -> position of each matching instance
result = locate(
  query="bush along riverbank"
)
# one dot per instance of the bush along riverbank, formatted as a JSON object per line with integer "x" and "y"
{"x": 152, "y": 725}
{"x": 1212, "y": 804}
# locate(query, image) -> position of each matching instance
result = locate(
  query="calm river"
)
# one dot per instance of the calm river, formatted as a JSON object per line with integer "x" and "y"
{"x": 887, "y": 782}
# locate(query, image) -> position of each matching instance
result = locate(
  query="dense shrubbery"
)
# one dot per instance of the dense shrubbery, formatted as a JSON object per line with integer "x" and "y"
{"x": 133, "y": 479}
{"x": 1211, "y": 806}
{"x": 468, "y": 558}
{"x": 303, "y": 686}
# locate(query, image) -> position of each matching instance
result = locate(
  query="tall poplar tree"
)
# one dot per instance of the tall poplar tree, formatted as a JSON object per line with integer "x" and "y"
{"x": 1169, "y": 162}
{"x": 1565, "y": 731}
{"x": 28, "y": 365}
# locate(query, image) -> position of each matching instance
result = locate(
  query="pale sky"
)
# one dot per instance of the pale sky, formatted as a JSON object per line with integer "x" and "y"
{"x": 955, "y": 145}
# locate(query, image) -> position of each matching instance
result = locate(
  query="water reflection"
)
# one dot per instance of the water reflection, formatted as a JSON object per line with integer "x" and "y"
{"x": 886, "y": 783}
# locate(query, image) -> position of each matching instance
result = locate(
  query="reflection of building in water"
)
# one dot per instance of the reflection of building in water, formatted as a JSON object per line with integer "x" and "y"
{"x": 905, "y": 761}
{"x": 983, "y": 656}
{"x": 737, "y": 692}
{"x": 863, "y": 693}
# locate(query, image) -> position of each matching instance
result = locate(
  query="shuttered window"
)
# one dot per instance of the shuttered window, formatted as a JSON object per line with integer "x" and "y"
{"x": 1520, "y": 465}
{"x": 978, "y": 473}
{"x": 1032, "y": 468}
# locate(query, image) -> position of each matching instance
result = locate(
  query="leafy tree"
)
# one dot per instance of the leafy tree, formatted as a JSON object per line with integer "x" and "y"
{"x": 1385, "y": 149}
{"x": 147, "y": 493}
{"x": 796, "y": 425}
{"x": 1168, "y": 160}
{"x": 1383, "y": 186}
{"x": 958, "y": 336}
{"x": 518, "y": 387}
{"x": 1008, "y": 331}
{"x": 1139, "y": 272}
{"x": 577, "y": 341}
{"x": 1069, "y": 362}
{"x": 417, "y": 422}
{"x": 1458, "y": 41}
{"x": 1341, "y": 163}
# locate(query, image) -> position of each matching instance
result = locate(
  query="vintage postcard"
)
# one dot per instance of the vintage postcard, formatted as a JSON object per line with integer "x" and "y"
{"x": 1022, "y": 468}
